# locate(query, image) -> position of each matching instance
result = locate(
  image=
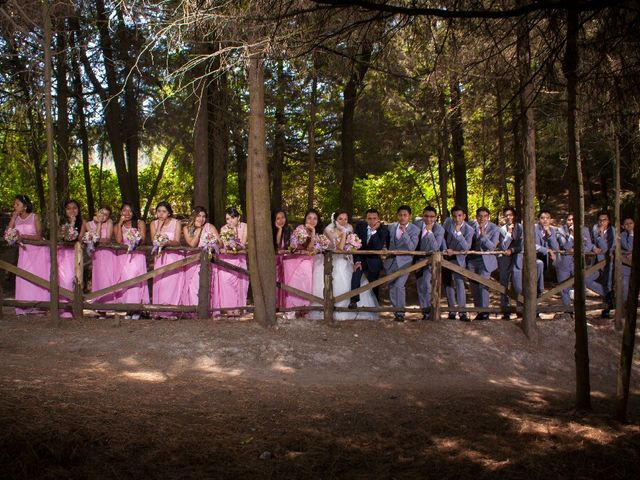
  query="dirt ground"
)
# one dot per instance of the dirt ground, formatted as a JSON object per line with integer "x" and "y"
{"x": 358, "y": 400}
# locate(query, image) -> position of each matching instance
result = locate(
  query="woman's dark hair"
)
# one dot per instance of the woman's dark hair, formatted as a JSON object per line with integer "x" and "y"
{"x": 319, "y": 224}
{"x": 26, "y": 201}
{"x": 232, "y": 212}
{"x": 134, "y": 217}
{"x": 64, "y": 219}
{"x": 339, "y": 212}
{"x": 191, "y": 224}
{"x": 166, "y": 205}
{"x": 286, "y": 229}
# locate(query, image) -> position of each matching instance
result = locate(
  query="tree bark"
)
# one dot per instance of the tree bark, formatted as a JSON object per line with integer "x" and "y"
{"x": 260, "y": 249}
{"x": 502, "y": 161}
{"x": 62, "y": 130}
{"x": 218, "y": 148}
{"x": 529, "y": 143}
{"x": 457, "y": 144}
{"x": 443, "y": 156}
{"x": 156, "y": 182}
{"x": 356, "y": 78}
{"x": 571, "y": 58}
{"x": 278, "y": 140}
{"x": 518, "y": 152}
{"x": 201, "y": 146}
{"x": 313, "y": 113}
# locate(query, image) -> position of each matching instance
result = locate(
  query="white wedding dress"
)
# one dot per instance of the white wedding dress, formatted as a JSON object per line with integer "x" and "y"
{"x": 342, "y": 272}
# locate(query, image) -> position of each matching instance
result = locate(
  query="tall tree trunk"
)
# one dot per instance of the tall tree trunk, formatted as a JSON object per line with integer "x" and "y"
{"x": 82, "y": 124}
{"x": 218, "y": 148}
{"x": 571, "y": 58}
{"x": 502, "y": 161}
{"x": 518, "y": 153}
{"x": 347, "y": 128}
{"x": 62, "y": 103}
{"x": 261, "y": 254}
{"x": 156, "y": 182}
{"x": 201, "y": 146}
{"x": 443, "y": 155}
{"x": 278, "y": 140}
{"x": 526, "y": 107}
{"x": 240, "y": 152}
{"x": 313, "y": 112}
{"x": 457, "y": 144}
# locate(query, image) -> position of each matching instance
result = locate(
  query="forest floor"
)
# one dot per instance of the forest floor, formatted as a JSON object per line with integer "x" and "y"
{"x": 230, "y": 399}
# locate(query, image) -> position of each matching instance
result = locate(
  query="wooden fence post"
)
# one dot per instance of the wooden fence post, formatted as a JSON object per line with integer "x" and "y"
{"x": 77, "y": 287}
{"x": 328, "y": 287}
{"x": 2, "y": 277}
{"x": 436, "y": 284}
{"x": 204, "y": 289}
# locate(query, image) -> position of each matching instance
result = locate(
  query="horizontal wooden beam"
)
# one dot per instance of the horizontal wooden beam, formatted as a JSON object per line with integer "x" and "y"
{"x": 41, "y": 282}
{"x": 569, "y": 282}
{"x": 488, "y": 282}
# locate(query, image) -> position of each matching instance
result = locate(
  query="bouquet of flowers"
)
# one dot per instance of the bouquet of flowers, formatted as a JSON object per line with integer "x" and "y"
{"x": 210, "y": 243}
{"x": 12, "y": 236}
{"x": 230, "y": 241}
{"x": 132, "y": 239}
{"x": 69, "y": 232}
{"x": 321, "y": 243}
{"x": 90, "y": 239}
{"x": 159, "y": 241}
{"x": 298, "y": 238}
{"x": 353, "y": 242}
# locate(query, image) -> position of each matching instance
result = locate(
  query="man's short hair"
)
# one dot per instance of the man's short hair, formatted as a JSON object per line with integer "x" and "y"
{"x": 544, "y": 210}
{"x": 483, "y": 209}
{"x": 372, "y": 210}
{"x": 429, "y": 208}
{"x": 404, "y": 207}
{"x": 509, "y": 208}
{"x": 458, "y": 208}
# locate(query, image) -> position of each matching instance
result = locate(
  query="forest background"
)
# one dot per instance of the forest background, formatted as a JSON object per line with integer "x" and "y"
{"x": 365, "y": 107}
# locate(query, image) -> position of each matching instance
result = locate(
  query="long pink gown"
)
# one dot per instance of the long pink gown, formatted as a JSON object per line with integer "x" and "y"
{"x": 168, "y": 287}
{"x": 232, "y": 287}
{"x": 66, "y": 273}
{"x": 34, "y": 259}
{"x": 298, "y": 273}
{"x": 103, "y": 266}
{"x": 281, "y": 295}
{"x": 192, "y": 276}
{"x": 130, "y": 265}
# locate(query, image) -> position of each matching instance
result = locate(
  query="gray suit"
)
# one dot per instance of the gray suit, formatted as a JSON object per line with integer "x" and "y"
{"x": 510, "y": 267}
{"x": 564, "y": 261}
{"x": 544, "y": 243}
{"x": 600, "y": 282}
{"x": 626, "y": 245}
{"x": 407, "y": 241}
{"x": 457, "y": 241}
{"x": 483, "y": 265}
{"x": 431, "y": 242}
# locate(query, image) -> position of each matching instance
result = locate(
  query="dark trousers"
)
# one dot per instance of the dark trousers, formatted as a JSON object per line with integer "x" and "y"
{"x": 356, "y": 278}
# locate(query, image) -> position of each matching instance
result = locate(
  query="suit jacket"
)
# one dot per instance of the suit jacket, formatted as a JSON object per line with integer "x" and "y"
{"x": 458, "y": 241}
{"x": 513, "y": 242}
{"x": 378, "y": 241}
{"x": 544, "y": 242}
{"x": 408, "y": 241}
{"x": 487, "y": 242}
{"x": 566, "y": 242}
{"x": 432, "y": 242}
{"x": 626, "y": 242}
{"x": 606, "y": 242}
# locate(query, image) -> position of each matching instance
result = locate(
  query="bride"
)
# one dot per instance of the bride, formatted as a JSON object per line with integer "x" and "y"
{"x": 337, "y": 232}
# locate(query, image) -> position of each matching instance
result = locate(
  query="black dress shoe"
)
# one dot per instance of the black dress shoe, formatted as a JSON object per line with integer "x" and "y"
{"x": 451, "y": 316}
{"x": 398, "y": 318}
{"x": 506, "y": 316}
{"x": 464, "y": 318}
{"x": 353, "y": 305}
{"x": 482, "y": 316}
{"x": 605, "y": 314}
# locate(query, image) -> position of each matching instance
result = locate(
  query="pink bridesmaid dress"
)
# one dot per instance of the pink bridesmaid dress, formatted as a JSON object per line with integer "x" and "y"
{"x": 103, "y": 269}
{"x": 281, "y": 295}
{"x": 232, "y": 287}
{"x": 298, "y": 273}
{"x": 168, "y": 287}
{"x": 34, "y": 259}
{"x": 192, "y": 277}
{"x": 66, "y": 273}
{"x": 130, "y": 265}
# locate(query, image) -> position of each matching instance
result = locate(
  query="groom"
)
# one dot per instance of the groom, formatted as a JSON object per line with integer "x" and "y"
{"x": 374, "y": 236}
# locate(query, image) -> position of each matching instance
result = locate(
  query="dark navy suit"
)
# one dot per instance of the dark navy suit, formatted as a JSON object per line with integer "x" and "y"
{"x": 371, "y": 264}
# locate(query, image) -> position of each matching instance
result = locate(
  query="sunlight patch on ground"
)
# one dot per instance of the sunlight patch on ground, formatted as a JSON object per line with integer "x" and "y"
{"x": 455, "y": 447}
{"x": 130, "y": 361}
{"x": 208, "y": 364}
{"x": 151, "y": 376}
{"x": 279, "y": 366}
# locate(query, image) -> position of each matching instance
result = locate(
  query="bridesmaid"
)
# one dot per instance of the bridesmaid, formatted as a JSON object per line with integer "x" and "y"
{"x": 32, "y": 258}
{"x": 281, "y": 237}
{"x": 298, "y": 268}
{"x": 195, "y": 232}
{"x": 169, "y": 286}
{"x": 103, "y": 268}
{"x": 71, "y": 221}
{"x": 232, "y": 287}
{"x": 133, "y": 264}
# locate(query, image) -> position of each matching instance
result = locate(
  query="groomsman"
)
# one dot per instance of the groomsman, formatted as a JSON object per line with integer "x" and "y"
{"x": 510, "y": 262}
{"x": 485, "y": 238}
{"x": 374, "y": 236}
{"x": 626, "y": 245}
{"x": 603, "y": 238}
{"x": 431, "y": 239}
{"x": 546, "y": 244}
{"x": 403, "y": 235}
{"x": 564, "y": 261}
{"x": 458, "y": 236}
